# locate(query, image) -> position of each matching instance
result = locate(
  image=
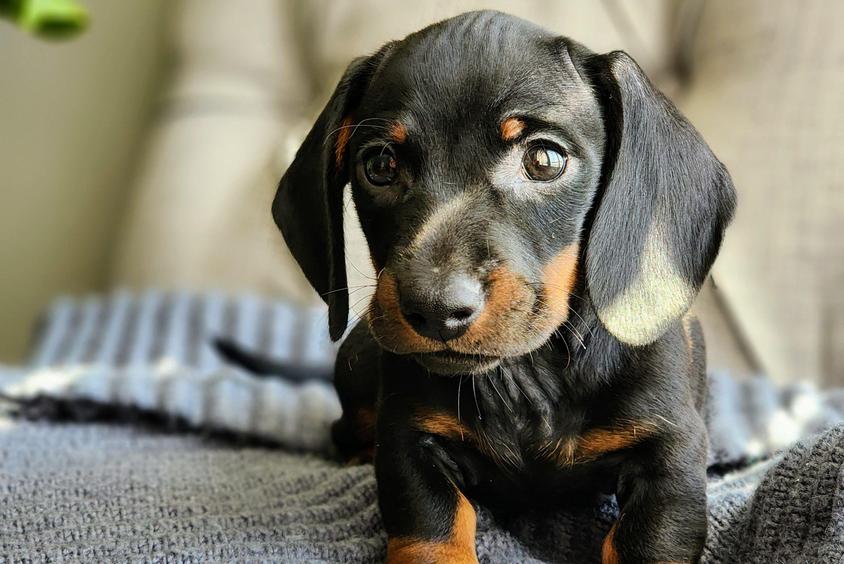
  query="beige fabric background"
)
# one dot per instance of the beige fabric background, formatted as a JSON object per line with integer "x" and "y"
{"x": 72, "y": 118}
{"x": 768, "y": 95}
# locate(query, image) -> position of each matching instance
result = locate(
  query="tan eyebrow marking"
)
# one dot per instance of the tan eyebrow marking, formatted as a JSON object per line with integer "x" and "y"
{"x": 398, "y": 132}
{"x": 512, "y": 128}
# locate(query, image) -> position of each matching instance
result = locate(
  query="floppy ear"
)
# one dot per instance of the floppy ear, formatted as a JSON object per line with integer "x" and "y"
{"x": 308, "y": 206}
{"x": 661, "y": 212}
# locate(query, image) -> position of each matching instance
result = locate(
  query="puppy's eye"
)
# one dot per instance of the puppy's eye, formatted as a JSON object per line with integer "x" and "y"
{"x": 381, "y": 168}
{"x": 544, "y": 163}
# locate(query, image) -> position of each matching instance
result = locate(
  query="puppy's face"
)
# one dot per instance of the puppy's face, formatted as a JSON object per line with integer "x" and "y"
{"x": 475, "y": 149}
{"x": 473, "y": 166}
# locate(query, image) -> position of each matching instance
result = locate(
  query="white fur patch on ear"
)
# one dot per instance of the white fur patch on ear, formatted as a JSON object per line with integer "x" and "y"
{"x": 658, "y": 296}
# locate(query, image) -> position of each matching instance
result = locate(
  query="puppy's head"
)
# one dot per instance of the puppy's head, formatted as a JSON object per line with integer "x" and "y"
{"x": 492, "y": 164}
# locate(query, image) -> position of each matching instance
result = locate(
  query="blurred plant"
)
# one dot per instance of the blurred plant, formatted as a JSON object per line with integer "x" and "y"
{"x": 46, "y": 18}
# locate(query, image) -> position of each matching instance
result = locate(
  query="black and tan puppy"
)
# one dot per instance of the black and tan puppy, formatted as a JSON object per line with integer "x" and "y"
{"x": 540, "y": 219}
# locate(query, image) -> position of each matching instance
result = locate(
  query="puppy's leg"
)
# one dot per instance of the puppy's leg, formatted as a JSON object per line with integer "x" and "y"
{"x": 427, "y": 517}
{"x": 662, "y": 499}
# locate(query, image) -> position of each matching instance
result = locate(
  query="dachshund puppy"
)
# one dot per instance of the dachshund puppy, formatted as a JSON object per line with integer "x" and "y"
{"x": 540, "y": 219}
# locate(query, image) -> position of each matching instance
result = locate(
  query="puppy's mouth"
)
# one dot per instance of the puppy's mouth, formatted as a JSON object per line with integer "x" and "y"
{"x": 450, "y": 362}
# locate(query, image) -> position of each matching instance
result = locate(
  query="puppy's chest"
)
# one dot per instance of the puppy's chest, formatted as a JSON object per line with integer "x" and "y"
{"x": 521, "y": 441}
{"x": 537, "y": 433}
{"x": 524, "y": 430}
{"x": 519, "y": 423}
{"x": 528, "y": 461}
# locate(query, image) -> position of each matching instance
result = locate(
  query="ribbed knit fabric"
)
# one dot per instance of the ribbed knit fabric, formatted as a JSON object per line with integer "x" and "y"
{"x": 154, "y": 353}
{"x": 123, "y": 329}
{"x": 118, "y": 492}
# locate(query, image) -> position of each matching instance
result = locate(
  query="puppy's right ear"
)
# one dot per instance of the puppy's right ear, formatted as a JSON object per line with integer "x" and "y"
{"x": 308, "y": 206}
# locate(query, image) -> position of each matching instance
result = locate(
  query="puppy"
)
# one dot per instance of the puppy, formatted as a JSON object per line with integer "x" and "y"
{"x": 540, "y": 219}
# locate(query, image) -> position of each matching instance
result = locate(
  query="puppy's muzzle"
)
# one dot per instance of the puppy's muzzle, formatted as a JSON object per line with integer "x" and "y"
{"x": 442, "y": 309}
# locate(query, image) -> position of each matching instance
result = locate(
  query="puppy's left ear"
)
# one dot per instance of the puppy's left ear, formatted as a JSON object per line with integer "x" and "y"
{"x": 308, "y": 206}
{"x": 661, "y": 210}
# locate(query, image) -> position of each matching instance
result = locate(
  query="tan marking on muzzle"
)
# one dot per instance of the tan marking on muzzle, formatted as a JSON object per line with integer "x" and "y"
{"x": 388, "y": 325}
{"x": 507, "y": 294}
{"x": 344, "y": 133}
{"x": 558, "y": 278}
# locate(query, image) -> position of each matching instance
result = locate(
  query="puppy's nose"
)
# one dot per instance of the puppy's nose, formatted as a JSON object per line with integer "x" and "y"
{"x": 445, "y": 312}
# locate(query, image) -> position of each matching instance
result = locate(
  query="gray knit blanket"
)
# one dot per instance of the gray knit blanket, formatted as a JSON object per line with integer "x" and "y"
{"x": 129, "y": 489}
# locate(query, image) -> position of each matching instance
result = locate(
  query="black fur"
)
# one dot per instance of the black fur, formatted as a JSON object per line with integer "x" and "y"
{"x": 634, "y": 162}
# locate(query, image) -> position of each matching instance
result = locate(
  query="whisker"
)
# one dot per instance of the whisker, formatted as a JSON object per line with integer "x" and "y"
{"x": 360, "y": 124}
{"x": 355, "y": 126}
{"x": 577, "y": 335}
{"x": 568, "y": 350}
{"x": 518, "y": 387}
{"x": 591, "y": 330}
{"x": 666, "y": 420}
{"x": 572, "y": 294}
{"x": 353, "y": 265}
{"x": 353, "y": 288}
{"x": 574, "y": 311}
{"x": 541, "y": 285}
{"x": 475, "y": 393}
{"x": 378, "y": 318}
{"x": 358, "y": 302}
{"x": 359, "y": 288}
{"x": 559, "y": 218}
{"x": 459, "y": 386}
{"x": 507, "y": 404}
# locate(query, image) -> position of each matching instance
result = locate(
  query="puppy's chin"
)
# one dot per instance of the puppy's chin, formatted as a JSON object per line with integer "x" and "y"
{"x": 449, "y": 363}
